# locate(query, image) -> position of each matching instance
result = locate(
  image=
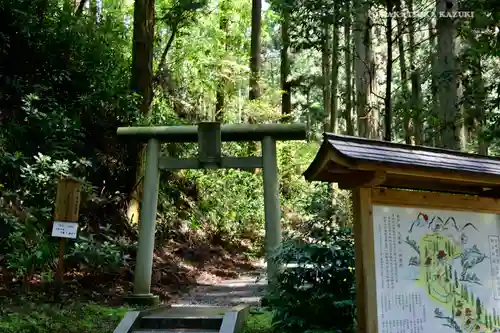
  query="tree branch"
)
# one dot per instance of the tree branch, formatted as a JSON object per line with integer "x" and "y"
{"x": 163, "y": 58}
{"x": 79, "y": 10}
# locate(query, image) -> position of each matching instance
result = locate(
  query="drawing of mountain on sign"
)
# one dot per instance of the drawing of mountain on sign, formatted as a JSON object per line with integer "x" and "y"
{"x": 446, "y": 272}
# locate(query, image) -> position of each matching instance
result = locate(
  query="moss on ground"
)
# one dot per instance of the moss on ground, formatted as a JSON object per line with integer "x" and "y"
{"x": 259, "y": 323}
{"x": 49, "y": 318}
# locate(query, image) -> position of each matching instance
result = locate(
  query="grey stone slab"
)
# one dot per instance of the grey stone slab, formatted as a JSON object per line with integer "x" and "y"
{"x": 235, "y": 319}
{"x": 178, "y": 330}
{"x": 188, "y": 312}
{"x": 127, "y": 322}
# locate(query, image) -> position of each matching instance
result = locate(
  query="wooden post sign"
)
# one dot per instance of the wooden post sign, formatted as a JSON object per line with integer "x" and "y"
{"x": 66, "y": 213}
{"x": 67, "y": 205}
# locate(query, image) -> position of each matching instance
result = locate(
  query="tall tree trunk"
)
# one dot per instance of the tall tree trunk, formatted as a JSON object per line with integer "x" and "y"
{"x": 255, "y": 46}
{"x": 221, "y": 84}
{"x": 308, "y": 113}
{"x": 94, "y": 11}
{"x": 348, "y": 69}
{"x": 404, "y": 75}
{"x": 142, "y": 83}
{"x": 219, "y": 102}
{"x": 388, "y": 86}
{"x": 434, "y": 138}
{"x": 479, "y": 99}
{"x": 354, "y": 96}
{"x": 463, "y": 132}
{"x": 363, "y": 67}
{"x": 286, "y": 97}
{"x": 325, "y": 61}
{"x": 255, "y": 65}
{"x": 416, "y": 99}
{"x": 447, "y": 76}
{"x": 79, "y": 9}
{"x": 416, "y": 102}
{"x": 376, "y": 132}
{"x": 142, "y": 53}
{"x": 335, "y": 69}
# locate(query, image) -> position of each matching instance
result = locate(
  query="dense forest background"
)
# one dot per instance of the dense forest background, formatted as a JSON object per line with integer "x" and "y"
{"x": 71, "y": 72}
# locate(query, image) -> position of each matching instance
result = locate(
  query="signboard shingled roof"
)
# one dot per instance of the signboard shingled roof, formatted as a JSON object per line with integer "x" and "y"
{"x": 350, "y": 161}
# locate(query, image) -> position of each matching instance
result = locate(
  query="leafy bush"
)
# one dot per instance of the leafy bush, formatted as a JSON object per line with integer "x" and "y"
{"x": 28, "y": 246}
{"x": 25, "y": 239}
{"x": 315, "y": 291}
{"x": 100, "y": 256}
{"x": 59, "y": 114}
{"x": 259, "y": 323}
{"x": 230, "y": 205}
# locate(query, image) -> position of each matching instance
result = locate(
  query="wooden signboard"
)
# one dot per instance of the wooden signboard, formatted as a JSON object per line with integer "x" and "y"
{"x": 67, "y": 206}
{"x": 430, "y": 262}
{"x": 426, "y": 261}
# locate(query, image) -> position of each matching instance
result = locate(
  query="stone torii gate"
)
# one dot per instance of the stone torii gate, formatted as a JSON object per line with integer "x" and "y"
{"x": 209, "y": 136}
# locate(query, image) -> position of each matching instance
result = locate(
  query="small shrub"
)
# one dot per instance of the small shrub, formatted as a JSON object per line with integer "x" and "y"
{"x": 315, "y": 292}
{"x": 259, "y": 323}
{"x": 25, "y": 235}
{"x": 100, "y": 256}
{"x": 28, "y": 246}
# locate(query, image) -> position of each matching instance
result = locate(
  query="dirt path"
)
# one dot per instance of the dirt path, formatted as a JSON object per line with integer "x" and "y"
{"x": 248, "y": 288}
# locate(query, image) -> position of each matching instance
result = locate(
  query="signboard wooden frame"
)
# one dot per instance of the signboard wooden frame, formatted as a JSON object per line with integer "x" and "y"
{"x": 363, "y": 201}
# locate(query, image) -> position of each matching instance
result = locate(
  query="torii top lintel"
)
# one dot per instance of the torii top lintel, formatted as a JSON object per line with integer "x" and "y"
{"x": 355, "y": 162}
{"x": 228, "y": 132}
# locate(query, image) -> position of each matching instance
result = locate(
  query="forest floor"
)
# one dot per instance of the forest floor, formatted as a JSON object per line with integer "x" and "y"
{"x": 247, "y": 288}
{"x": 92, "y": 302}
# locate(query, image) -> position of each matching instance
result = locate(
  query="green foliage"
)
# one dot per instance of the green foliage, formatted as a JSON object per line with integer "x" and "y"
{"x": 26, "y": 240}
{"x": 229, "y": 204}
{"x": 180, "y": 13}
{"x": 64, "y": 90}
{"x": 27, "y": 246}
{"x": 27, "y": 243}
{"x": 316, "y": 291}
{"x": 259, "y": 323}
{"x": 108, "y": 255}
{"x": 227, "y": 198}
{"x": 309, "y": 19}
{"x": 43, "y": 318}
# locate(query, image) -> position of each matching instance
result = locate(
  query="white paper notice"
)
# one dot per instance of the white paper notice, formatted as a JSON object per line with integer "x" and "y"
{"x": 64, "y": 229}
{"x": 438, "y": 271}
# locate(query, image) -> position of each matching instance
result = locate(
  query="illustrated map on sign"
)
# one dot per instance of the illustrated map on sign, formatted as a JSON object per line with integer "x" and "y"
{"x": 453, "y": 261}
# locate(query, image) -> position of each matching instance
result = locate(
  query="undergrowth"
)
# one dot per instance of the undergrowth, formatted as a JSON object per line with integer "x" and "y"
{"x": 259, "y": 323}
{"x": 74, "y": 318}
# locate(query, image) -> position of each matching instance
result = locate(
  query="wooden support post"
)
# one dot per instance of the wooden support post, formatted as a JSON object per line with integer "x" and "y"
{"x": 272, "y": 207}
{"x": 366, "y": 296}
{"x": 60, "y": 266}
{"x": 144, "y": 262}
